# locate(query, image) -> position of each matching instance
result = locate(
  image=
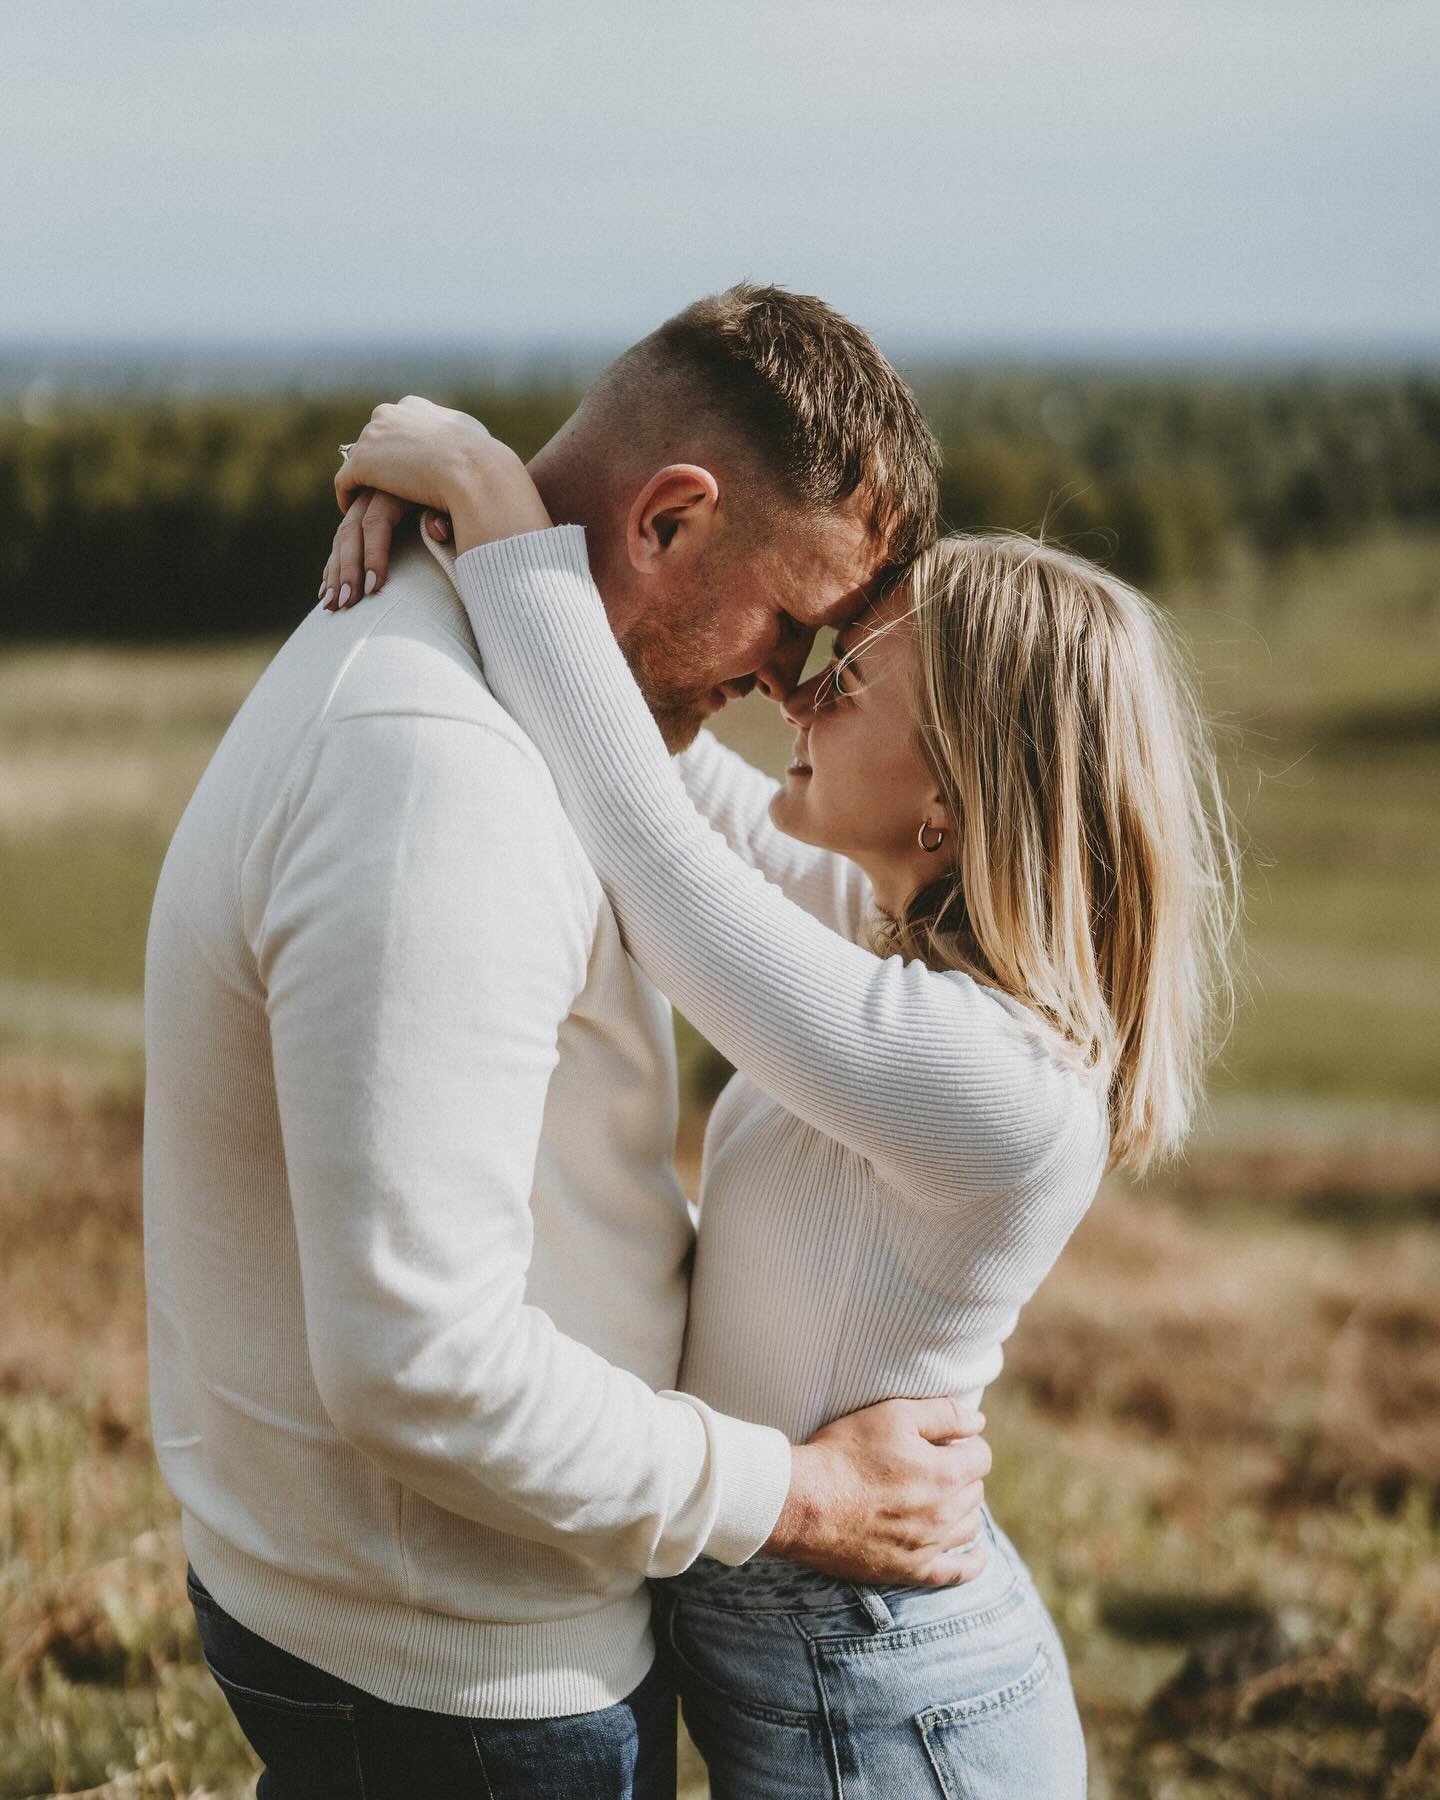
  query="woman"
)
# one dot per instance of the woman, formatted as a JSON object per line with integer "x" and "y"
{"x": 964, "y": 957}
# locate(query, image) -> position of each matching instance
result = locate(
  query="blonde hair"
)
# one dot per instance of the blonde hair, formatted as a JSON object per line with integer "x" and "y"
{"x": 1095, "y": 871}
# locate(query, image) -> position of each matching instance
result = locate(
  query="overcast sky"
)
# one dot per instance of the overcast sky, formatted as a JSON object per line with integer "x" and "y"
{"x": 962, "y": 173}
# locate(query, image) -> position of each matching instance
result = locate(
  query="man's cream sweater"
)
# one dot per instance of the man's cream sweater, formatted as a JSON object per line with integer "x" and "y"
{"x": 415, "y": 1250}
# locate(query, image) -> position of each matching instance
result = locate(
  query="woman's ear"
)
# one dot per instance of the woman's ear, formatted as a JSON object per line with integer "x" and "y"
{"x": 674, "y": 512}
{"x": 939, "y": 818}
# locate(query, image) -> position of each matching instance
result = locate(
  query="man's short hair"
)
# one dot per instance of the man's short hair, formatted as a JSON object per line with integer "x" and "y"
{"x": 812, "y": 394}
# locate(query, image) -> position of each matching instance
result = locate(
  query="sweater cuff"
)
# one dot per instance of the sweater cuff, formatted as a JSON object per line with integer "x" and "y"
{"x": 496, "y": 564}
{"x": 754, "y": 1464}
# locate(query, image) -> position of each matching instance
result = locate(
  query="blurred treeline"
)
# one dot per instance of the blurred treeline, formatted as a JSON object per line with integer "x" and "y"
{"x": 164, "y": 519}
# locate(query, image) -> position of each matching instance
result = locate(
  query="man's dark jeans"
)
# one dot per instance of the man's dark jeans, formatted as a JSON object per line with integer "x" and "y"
{"x": 322, "y": 1739}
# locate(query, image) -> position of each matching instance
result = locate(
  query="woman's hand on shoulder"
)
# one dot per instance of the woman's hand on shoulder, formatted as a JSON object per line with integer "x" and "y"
{"x": 415, "y": 453}
{"x": 359, "y": 558}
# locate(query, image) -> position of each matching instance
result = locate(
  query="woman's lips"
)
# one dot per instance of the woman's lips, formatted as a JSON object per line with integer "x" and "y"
{"x": 798, "y": 768}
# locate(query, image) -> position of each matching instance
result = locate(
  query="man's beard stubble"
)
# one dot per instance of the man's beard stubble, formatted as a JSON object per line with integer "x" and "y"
{"x": 663, "y": 654}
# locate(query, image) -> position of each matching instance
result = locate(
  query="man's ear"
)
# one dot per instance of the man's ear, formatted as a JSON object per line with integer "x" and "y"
{"x": 676, "y": 508}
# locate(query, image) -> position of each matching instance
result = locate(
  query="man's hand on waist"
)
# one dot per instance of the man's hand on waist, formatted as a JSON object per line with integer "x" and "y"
{"x": 890, "y": 1494}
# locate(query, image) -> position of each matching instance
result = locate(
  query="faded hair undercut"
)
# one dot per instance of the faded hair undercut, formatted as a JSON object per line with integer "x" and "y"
{"x": 813, "y": 397}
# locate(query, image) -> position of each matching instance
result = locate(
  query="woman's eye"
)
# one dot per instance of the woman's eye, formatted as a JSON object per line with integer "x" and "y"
{"x": 837, "y": 681}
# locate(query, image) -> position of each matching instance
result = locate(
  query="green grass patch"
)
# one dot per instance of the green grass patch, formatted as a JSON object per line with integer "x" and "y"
{"x": 76, "y": 908}
{"x": 1343, "y": 882}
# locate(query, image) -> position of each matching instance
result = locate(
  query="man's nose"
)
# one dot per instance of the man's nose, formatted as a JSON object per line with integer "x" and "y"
{"x": 778, "y": 677}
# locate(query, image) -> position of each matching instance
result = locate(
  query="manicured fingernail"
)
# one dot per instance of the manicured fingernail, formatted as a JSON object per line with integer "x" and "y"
{"x": 370, "y": 581}
{"x": 329, "y": 597}
{"x": 323, "y": 591}
{"x": 344, "y": 593}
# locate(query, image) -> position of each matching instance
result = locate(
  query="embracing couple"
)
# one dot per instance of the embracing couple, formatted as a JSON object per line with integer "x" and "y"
{"x": 483, "y": 1449}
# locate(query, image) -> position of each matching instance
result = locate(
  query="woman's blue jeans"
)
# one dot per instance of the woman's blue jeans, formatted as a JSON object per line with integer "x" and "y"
{"x": 798, "y": 1687}
{"x": 322, "y": 1739}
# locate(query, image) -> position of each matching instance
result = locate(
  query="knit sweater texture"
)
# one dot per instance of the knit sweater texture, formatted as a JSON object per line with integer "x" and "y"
{"x": 902, "y": 1154}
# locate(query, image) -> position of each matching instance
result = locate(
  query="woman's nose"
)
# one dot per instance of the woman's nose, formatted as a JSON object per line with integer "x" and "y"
{"x": 799, "y": 707}
{"x": 782, "y": 670}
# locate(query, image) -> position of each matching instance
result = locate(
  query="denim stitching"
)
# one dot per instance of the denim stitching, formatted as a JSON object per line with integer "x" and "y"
{"x": 480, "y": 1760}
{"x": 971, "y": 1712}
{"x": 359, "y": 1768}
{"x": 965, "y": 1712}
{"x": 319, "y": 1710}
{"x": 833, "y": 1596}
{"x": 852, "y": 1644}
{"x": 829, "y": 1736}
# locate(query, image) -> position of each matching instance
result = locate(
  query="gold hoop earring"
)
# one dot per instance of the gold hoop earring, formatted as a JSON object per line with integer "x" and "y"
{"x": 930, "y": 849}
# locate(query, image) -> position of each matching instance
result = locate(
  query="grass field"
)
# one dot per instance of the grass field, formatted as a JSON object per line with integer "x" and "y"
{"x": 1218, "y": 1436}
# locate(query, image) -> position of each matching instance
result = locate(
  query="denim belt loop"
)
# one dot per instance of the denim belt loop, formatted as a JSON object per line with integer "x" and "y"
{"x": 873, "y": 1605}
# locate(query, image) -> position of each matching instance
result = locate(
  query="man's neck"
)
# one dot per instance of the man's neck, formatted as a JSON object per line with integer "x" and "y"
{"x": 564, "y": 481}
{"x": 572, "y": 496}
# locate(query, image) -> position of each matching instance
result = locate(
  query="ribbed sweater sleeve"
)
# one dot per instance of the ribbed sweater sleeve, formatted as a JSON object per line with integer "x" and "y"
{"x": 735, "y": 797}
{"x": 421, "y": 935}
{"x": 927, "y": 1075}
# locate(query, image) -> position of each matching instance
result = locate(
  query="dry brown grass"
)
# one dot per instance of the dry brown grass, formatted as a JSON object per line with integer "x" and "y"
{"x": 95, "y": 1644}
{"x": 1313, "y": 1357}
{"x": 1238, "y": 1416}
{"x": 72, "y": 1382}
{"x": 71, "y": 1285}
{"x": 1217, "y": 1440}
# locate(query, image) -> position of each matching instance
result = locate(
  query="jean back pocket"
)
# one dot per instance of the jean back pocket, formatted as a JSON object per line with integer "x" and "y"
{"x": 1022, "y": 1738}
{"x": 306, "y": 1739}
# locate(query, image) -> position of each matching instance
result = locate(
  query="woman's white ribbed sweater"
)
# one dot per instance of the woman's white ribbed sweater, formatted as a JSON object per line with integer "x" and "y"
{"x": 903, "y": 1154}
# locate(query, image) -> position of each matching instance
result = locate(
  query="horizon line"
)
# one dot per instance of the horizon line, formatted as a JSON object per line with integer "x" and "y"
{"x": 61, "y": 365}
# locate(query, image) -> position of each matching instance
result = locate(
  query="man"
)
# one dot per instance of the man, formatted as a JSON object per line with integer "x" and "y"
{"x": 415, "y": 1249}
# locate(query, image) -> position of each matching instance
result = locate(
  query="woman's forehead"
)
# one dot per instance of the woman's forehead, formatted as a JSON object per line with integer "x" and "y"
{"x": 882, "y": 620}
